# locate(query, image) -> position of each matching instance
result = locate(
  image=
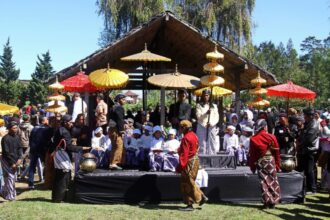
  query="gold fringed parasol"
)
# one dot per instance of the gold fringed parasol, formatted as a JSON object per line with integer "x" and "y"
{"x": 258, "y": 91}
{"x": 212, "y": 80}
{"x": 56, "y": 85}
{"x": 8, "y": 109}
{"x": 146, "y": 56}
{"x": 108, "y": 78}
{"x": 258, "y": 81}
{"x": 214, "y": 55}
{"x": 213, "y": 68}
{"x": 174, "y": 80}
{"x": 56, "y": 108}
{"x": 217, "y": 91}
{"x": 259, "y": 103}
{"x": 56, "y": 97}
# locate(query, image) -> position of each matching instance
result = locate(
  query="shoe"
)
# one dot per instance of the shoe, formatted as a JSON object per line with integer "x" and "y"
{"x": 203, "y": 201}
{"x": 310, "y": 193}
{"x": 31, "y": 187}
{"x": 115, "y": 167}
{"x": 188, "y": 208}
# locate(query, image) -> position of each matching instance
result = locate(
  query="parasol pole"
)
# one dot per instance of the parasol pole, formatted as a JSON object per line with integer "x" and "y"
{"x": 209, "y": 115}
{"x": 287, "y": 105}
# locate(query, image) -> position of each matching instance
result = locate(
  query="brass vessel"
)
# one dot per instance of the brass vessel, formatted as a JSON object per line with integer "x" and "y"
{"x": 287, "y": 163}
{"x": 88, "y": 162}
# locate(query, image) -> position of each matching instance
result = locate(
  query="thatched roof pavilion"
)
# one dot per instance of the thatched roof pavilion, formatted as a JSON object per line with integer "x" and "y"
{"x": 169, "y": 36}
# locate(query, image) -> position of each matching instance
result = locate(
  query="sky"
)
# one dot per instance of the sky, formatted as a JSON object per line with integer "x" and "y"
{"x": 70, "y": 29}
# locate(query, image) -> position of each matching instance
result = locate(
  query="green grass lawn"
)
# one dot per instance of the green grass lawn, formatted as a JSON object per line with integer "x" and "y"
{"x": 36, "y": 205}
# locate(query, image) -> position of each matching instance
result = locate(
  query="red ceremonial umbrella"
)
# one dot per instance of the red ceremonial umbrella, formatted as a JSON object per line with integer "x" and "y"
{"x": 79, "y": 83}
{"x": 290, "y": 90}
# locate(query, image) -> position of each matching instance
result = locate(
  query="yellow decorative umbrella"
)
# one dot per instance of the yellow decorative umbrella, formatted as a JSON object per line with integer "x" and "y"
{"x": 8, "y": 109}
{"x": 174, "y": 80}
{"x": 56, "y": 108}
{"x": 146, "y": 56}
{"x": 216, "y": 91}
{"x": 212, "y": 80}
{"x": 259, "y": 103}
{"x": 56, "y": 85}
{"x": 259, "y": 80}
{"x": 215, "y": 55}
{"x": 213, "y": 68}
{"x": 258, "y": 91}
{"x": 108, "y": 78}
{"x": 2, "y": 122}
{"x": 56, "y": 97}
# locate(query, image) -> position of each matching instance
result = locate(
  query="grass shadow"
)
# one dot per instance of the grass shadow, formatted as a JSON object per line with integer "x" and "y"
{"x": 36, "y": 199}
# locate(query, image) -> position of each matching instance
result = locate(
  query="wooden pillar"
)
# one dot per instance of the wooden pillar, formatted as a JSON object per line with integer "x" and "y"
{"x": 237, "y": 92}
{"x": 162, "y": 104}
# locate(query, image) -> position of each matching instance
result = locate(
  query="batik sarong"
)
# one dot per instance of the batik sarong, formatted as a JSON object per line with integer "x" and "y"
{"x": 270, "y": 187}
{"x": 211, "y": 146}
{"x": 171, "y": 161}
{"x": 8, "y": 191}
{"x": 117, "y": 154}
{"x": 156, "y": 161}
{"x": 99, "y": 154}
{"x": 190, "y": 191}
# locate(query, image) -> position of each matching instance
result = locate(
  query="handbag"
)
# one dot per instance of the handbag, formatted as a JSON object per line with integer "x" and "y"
{"x": 61, "y": 157}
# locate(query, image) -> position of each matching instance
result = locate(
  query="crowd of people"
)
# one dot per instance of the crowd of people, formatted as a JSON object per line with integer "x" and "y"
{"x": 37, "y": 140}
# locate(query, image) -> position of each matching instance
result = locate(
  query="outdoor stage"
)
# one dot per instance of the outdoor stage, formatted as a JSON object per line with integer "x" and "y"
{"x": 132, "y": 186}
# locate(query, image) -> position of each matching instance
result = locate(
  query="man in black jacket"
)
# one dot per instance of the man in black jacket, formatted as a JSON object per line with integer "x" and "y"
{"x": 117, "y": 132}
{"x": 308, "y": 149}
{"x": 180, "y": 110}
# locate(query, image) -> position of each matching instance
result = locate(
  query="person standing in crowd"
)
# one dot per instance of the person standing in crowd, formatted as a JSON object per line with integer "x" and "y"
{"x": 11, "y": 158}
{"x": 101, "y": 112}
{"x": 309, "y": 144}
{"x": 180, "y": 110}
{"x": 24, "y": 132}
{"x": 207, "y": 120}
{"x": 79, "y": 106}
{"x": 117, "y": 131}
{"x": 63, "y": 140}
{"x": 284, "y": 136}
{"x": 265, "y": 158}
{"x": 247, "y": 119}
{"x": 188, "y": 167}
{"x": 39, "y": 140}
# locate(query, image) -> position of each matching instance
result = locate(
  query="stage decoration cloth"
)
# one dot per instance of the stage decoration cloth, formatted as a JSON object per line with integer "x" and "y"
{"x": 8, "y": 109}
{"x": 224, "y": 185}
{"x": 174, "y": 80}
{"x": 290, "y": 90}
{"x": 108, "y": 78}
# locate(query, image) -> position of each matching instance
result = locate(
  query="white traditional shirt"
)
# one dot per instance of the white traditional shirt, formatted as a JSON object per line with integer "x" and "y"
{"x": 171, "y": 145}
{"x": 97, "y": 141}
{"x": 135, "y": 143}
{"x": 245, "y": 142}
{"x": 202, "y": 116}
{"x": 77, "y": 108}
{"x": 230, "y": 141}
{"x": 156, "y": 144}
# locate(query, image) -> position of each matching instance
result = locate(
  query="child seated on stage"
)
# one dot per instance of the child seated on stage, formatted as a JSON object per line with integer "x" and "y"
{"x": 133, "y": 148}
{"x": 156, "y": 153}
{"x": 143, "y": 155}
{"x": 171, "y": 157}
{"x": 97, "y": 145}
{"x": 230, "y": 141}
{"x": 244, "y": 141}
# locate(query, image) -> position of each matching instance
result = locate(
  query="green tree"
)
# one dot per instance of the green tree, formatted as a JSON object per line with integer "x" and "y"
{"x": 8, "y": 71}
{"x": 11, "y": 92}
{"x": 228, "y": 21}
{"x": 36, "y": 88}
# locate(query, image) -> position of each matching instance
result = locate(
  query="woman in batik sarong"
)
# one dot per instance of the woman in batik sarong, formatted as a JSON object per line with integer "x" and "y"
{"x": 207, "y": 119}
{"x": 171, "y": 156}
{"x": 265, "y": 158}
{"x": 188, "y": 167}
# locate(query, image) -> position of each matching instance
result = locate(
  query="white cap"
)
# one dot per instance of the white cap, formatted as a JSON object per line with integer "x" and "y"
{"x": 156, "y": 128}
{"x": 148, "y": 128}
{"x": 137, "y": 131}
{"x": 172, "y": 131}
{"x": 98, "y": 130}
{"x": 231, "y": 127}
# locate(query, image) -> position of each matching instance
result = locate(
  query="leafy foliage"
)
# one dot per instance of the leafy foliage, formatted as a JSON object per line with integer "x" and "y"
{"x": 227, "y": 20}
